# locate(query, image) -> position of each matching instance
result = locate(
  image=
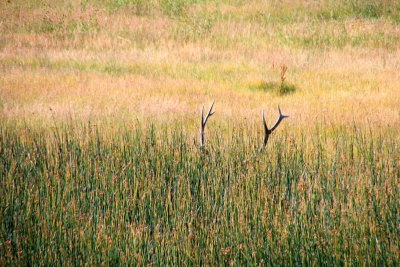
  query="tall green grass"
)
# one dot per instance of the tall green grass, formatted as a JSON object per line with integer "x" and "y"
{"x": 85, "y": 195}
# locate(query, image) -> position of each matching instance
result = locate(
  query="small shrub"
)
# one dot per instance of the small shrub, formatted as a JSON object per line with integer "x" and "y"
{"x": 282, "y": 88}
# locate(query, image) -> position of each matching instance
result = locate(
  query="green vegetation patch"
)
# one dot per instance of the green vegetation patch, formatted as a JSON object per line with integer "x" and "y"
{"x": 274, "y": 87}
{"x": 82, "y": 193}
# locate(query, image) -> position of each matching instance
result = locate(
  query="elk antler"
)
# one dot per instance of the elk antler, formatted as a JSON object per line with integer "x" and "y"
{"x": 269, "y": 131}
{"x": 203, "y": 124}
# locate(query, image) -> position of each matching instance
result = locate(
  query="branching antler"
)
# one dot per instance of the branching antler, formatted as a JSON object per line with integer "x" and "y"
{"x": 203, "y": 124}
{"x": 269, "y": 131}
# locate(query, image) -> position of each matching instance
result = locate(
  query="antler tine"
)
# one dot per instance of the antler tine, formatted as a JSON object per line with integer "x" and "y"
{"x": 269, "y": 131}
{"x": 280, "y": 113}
{"x": 281, "y": 117}
{"x": 202, "y": 117}
{"x": 203, "y": 124}
{"x": 264, "y": 122}
{"x": 210, "y": 113}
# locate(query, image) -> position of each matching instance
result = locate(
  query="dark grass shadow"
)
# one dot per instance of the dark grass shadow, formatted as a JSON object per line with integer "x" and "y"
{"x": 274, "y": 87}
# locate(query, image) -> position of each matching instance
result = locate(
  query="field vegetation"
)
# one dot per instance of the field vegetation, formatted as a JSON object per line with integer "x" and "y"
{"x": 99, "y": 132}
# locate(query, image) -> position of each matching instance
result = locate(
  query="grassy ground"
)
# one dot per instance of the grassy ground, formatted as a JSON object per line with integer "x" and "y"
{"x": 99, "y": 110}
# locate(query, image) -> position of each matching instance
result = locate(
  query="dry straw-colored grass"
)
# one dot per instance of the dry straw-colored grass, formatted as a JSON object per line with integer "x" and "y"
{"x": 89, "y": 61}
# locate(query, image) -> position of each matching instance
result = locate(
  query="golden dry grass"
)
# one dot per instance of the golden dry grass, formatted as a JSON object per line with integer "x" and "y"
{"x": 125, "y": 65}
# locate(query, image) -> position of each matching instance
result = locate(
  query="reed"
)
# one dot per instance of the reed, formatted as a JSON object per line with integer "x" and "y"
{"x": 84, "y": 194}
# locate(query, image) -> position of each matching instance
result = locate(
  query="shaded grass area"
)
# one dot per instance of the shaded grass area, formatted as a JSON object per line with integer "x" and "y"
{"x": 279, "y": 88}
{"x": 85, "y": 194}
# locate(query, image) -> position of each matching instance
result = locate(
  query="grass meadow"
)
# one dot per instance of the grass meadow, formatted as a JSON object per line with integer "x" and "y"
{"x": 100, "y": 106}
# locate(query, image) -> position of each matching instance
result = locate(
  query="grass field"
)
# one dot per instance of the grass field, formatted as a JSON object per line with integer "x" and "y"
{"x": 99, "y": 132}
